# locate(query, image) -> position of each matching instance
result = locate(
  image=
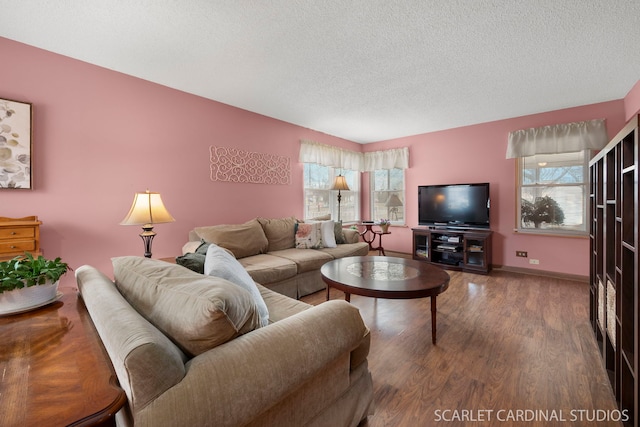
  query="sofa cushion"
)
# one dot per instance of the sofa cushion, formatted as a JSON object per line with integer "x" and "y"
{"x": 280, "y": 306}
{"x": 242, "y": 240}
{"x": 146, "y": 362}
{"x": 280, "y": 232}
{"x": 351, "y": 235}
{"x": 196, "y": 312}
{"x": 219, "y": 263}
{"x": 306, "y": 260}
{"x": 266, "y": 269}
{"x": 308, "y": 236}
{"x": 347, "y": 249}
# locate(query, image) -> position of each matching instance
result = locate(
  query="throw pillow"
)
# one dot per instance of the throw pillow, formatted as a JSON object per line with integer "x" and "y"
{"x": 196, "y": 312}
{"x": 339, "y": 233}
{"x": 193, "y": 261}
{"x": 219, "y": 263}
{"x": 308, "y": 236}
{"x": 327, "y": 233}
{"x": 327, "y": 229}
{"x": 280, "y": 232}
{"x": 242, "y": 240}
{"x": 202, "y": 249}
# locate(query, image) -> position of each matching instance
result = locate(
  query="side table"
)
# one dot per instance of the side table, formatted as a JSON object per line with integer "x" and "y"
{"x": 56, "y": 371}
{"x": 369, "y": 236}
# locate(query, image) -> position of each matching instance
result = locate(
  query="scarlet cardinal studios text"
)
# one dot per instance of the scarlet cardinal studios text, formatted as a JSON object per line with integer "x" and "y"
{"x": 530, "y": 415}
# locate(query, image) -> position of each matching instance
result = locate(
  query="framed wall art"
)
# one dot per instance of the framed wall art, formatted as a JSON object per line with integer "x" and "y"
{"x": 15, "y": 144}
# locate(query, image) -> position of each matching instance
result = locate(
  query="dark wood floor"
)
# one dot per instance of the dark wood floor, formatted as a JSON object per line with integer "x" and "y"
{"x": 510, "y": 347}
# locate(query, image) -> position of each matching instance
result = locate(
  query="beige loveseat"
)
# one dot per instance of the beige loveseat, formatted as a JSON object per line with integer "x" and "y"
{"x": 189, "y": 350}
{"x": 270, "y": 251}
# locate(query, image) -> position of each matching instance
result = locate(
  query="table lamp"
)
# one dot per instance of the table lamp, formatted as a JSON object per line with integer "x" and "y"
{"x": 393, "y": 204}
{"x": 339, "y": 184}
{"x": 147, "y": 209}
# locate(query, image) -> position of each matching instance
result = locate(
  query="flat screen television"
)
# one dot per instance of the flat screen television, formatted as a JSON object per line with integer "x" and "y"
{"x": 454, "y": 205}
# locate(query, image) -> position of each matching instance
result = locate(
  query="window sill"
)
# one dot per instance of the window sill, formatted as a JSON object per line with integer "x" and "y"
{"x": 553, "y": 233}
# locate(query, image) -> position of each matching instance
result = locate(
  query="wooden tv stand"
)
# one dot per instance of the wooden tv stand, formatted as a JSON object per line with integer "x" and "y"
{"x": 465, "y": 250}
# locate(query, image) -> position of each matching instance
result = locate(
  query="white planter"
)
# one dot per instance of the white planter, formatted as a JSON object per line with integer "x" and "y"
{"x": 29, "y": 297}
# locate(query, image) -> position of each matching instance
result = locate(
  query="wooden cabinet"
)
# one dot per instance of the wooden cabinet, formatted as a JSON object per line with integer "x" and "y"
{"x": 613, "y": 200}
{"x": 19, "y": 235}
{"x": 467, "y": 250}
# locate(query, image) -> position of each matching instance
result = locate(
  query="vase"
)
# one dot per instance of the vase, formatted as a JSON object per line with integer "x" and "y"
{"x": 22, "y": 299}
{"x": 384, "y": 227}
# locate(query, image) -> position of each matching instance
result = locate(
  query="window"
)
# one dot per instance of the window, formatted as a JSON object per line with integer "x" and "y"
{"x": 320, "y": 200}
{"x": 552, "y": 193}
{"x": 387, "y": 195}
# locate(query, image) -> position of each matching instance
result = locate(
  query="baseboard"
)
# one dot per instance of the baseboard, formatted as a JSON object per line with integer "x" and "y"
{"x": 555, "y": 274}
{"x": 521, "y": 270}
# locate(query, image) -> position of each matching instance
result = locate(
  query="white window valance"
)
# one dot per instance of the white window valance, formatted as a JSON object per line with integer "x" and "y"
{"x": 387, "y": 159}
{"x": 328, "y": 155}
{"x": 562, "y": 138}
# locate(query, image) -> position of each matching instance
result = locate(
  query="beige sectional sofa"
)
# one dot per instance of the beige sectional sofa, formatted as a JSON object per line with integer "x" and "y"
{"x": 190, "y": 350}
{"x": 270, "y": 251}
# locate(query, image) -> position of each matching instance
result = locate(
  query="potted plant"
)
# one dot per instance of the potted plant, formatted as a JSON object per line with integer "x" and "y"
{"x": 27, "y": 282}
{"x": 384, "y": 225}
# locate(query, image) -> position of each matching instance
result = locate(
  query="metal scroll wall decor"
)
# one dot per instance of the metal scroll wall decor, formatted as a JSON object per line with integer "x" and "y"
{"x": 234, "y": 165}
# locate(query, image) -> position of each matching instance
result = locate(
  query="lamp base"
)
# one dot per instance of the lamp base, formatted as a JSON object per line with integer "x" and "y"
{"x": 147, "y": 237}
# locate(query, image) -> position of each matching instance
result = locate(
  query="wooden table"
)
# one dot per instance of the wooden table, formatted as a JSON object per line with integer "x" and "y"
{"x": 369, "y": 236}
{"x": 54, "y": 370}
{"x": 386, "y": 277}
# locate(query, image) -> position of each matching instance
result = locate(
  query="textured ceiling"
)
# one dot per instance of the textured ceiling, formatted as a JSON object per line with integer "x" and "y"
{"x": 363, "y": 70}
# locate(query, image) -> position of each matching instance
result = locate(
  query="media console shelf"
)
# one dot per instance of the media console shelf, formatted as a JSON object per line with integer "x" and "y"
{"x": 466, "y": 250}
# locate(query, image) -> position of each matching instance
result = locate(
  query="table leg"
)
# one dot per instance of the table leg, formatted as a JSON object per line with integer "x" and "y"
{"x": 347, "y": 297}
{"x": 328, "y": 289}
{"x": 433, "y": 319}
{"x": 380, "y": 248}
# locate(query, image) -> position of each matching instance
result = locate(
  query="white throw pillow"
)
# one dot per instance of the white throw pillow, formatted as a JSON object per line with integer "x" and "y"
{"x": 219, "y": 263}
{"x": 327, "y": 229}
{"x": 327, "y": 233}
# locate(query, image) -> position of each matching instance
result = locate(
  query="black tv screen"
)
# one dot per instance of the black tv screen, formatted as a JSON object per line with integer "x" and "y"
{"x": 454, "y": 205}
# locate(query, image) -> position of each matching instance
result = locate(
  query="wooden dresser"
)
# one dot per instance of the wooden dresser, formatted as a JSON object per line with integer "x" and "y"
{"x": 19, "y": 235}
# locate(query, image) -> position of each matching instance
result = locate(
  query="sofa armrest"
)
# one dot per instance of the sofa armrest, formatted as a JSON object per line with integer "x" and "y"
{"x": 146, "y": 362}
{"x": 351, "y": 235}
{"x": 235, "y": 382}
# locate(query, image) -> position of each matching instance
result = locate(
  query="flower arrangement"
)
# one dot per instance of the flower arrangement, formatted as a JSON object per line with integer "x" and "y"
{"x": 384, "y": 221}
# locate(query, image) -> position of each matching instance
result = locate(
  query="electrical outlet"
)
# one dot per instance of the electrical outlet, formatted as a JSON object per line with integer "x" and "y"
{"x": 522, "y": 254}
{"x": 534, "y": 261}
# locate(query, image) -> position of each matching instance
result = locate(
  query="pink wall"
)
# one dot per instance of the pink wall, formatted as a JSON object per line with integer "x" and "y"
{"x": 632, "y": 101}
{"x": 477, "y": 154}
{"x": 100, "y": 136}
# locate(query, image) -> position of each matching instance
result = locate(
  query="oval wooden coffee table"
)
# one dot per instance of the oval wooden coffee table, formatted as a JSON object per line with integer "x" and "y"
{"x": 386, "y": 277}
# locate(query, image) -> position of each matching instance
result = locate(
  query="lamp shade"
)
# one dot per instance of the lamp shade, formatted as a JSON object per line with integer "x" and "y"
{"x": 340, "y": 183}
{"x": 394, "y": 201}
{"x": 147, "y": 208}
